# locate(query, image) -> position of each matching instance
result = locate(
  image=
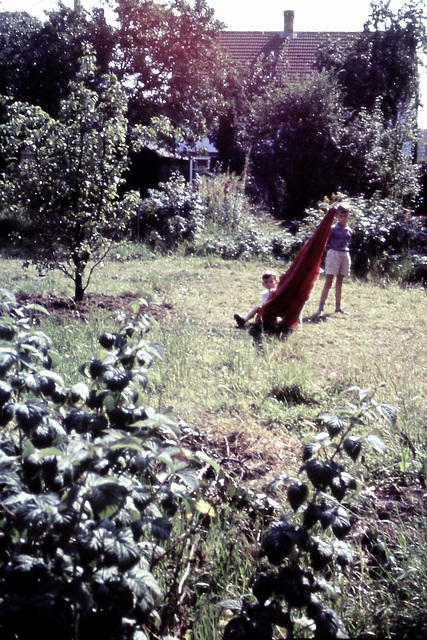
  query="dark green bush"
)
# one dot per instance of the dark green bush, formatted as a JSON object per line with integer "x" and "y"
{"x": 307, "y": 556}
{"x": 99, "y": 498}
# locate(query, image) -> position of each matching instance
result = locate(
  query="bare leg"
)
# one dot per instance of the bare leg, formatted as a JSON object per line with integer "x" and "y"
{"x": 252, "y": 313}
{"x": 241, "y": 321}
{"x": 325, "y": 291}
{"x": 338, "y": 290}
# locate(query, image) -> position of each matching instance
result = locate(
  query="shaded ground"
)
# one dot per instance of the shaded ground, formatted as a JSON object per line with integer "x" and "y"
{"x": 61, "y": 306}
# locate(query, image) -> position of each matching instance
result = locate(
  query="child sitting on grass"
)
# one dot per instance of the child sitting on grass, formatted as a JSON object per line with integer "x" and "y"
{"x": 269, "y": 280}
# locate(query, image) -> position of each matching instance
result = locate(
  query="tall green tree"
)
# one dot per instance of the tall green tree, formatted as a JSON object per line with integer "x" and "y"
{"x": 379, "y": 158}
{"x": 381, "y": 66}
{"x": 17, "y": 32}
{"x": 65, "y": 173}
{"x": 39, "y": 59}
{"x": 305, "y": 144}
{"x": 351, "y": 126}
{"x": 296, "y": 135}
{"x": 165, "y": 54}
{"x": 169, "y": 59}
{"x": 243, "y": 88}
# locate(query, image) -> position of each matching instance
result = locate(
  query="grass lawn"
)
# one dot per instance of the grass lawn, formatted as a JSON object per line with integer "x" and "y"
{"x": 216, "y": 378}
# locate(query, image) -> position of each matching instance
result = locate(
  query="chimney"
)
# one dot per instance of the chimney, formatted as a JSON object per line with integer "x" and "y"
{"x": 289, "y": 22}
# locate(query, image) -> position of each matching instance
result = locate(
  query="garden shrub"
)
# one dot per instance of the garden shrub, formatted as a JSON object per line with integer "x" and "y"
{"x": 246, "y": 242}
{"x": 214, "y": 216}
{"x": 94, "y": 485}
{"x": 307, "y": 556}
{"x": 387, "y": 240}
{"x": 171, "y": 214}
{"x": 209, "y": 216}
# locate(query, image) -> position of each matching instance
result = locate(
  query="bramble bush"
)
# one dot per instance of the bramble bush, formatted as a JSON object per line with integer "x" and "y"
{"x": 94, "y": 488}
{"x": 308, "y": 555}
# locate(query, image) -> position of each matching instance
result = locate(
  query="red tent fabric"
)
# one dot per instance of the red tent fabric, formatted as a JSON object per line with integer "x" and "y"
{"x": 295, "y": 285}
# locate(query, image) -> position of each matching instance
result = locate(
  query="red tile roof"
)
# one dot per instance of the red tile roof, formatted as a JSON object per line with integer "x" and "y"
{"x": 300, "y": 47}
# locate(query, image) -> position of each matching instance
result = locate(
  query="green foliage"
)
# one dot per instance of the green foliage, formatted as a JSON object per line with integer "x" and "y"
{"x": 212, "y": 216}
{"x": 384, "y": 163}
{"x": 351, "y": 127}
{"x": 295, "y": 134}
{"x": 308, "y": 545}
{"x": 224, "y": 199}
{"x": 164, "y": 54}
{"x": 16, "y": 40}
{"x": 401, "y": 574}
{"x": 251, "y": 409}
{"x": 234, "y": 228}
{"x": 168, "y": 54}
{"x": 215, "y": 217}
{"x": 66, "y": 173}
{"x": 305, "y": 138}
{"x": 387, "y": 241}
{"x": 171, "y": 215}
{"x": 30, "y": 46}
{"x": 379, "y": 68}
{"x": 99, "y": 495}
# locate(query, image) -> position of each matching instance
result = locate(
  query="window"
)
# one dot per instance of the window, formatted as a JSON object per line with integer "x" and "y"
{"x": 200, "y": 166}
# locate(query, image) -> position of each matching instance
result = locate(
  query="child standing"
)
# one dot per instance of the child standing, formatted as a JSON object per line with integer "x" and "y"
{"x": 269, "y": 280}
{"x": 338, "y": 261}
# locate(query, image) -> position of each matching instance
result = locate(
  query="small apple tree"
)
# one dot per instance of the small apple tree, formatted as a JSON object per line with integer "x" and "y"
{"x": 65, "y": 173}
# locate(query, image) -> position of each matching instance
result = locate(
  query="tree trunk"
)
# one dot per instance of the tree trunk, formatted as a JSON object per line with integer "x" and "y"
{"x": 80, "y": 260}
{"x": 78, "y": 285}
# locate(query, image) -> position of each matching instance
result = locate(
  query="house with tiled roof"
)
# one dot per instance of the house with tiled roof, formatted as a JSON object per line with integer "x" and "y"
{"x": 299, "y": 51}
{"x": 299, "y": 48}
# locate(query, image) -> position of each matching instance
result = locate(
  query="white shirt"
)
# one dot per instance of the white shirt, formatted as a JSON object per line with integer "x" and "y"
{"x": 265, "y": 296}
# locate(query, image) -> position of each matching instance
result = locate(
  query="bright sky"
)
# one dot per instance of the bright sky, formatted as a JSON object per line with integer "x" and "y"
{"x": 241, "y": 15}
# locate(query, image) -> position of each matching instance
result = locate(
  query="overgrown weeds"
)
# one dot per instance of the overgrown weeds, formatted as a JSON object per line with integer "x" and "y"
{"x": 308, "y": 545}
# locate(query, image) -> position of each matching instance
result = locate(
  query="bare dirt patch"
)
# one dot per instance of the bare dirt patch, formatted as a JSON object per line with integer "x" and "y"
{"x": 63, "y": 307}
{"x": 257, "y": 459}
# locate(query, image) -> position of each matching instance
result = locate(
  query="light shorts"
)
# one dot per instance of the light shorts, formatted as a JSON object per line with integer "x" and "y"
{"x": 337, "y": 263}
